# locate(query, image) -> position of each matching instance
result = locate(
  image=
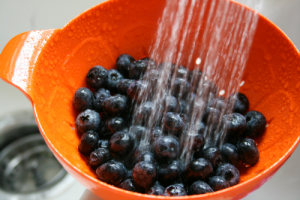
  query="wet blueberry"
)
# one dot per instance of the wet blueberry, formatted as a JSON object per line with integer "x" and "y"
{"x": 168, "y": 66}
{"x": 219, "y": 103}
{"x": 171, "y": 104}
{"x": 115, "y": 124}
{"x": 183, "y": 106}
{"x": 182, "y": 72}
{"x": 234, "y": 124}
{"x": 166, "y": 149}
{"x": 169, "y": 173}
{"x": 129, "y": 185}
{"x": 151, "y": 64}
{"x": 97, "y": 77}
{"x": 218, "y": 183}
{"x": 174, "y": 190}
{"x": 137, "y": 132}
{"x": 113, "y": 78}
{"x": 199, "y": 187}
{"x": 198, "y": 169}
{"x": 256, "y": 124}
{"x": 123, "y": 85}
{"x": 88, "y": 142}
{"x": 83, "y": 99}
{"x": 208, "y": 88}
{"x": 129, "y": 174}
{"x": 123, "y": 62}
{"x": 194, "y": 78}
{"x": 137, "y": 90}
{"x": 212, "y": 154}
{"x": 229, "y": 172}
{"x": 99, "y": 96}
{"x": 248, "y": 151}
{"x": 144, "y": 174}
{"x": 152, "y": 76}
{"x": 173, "y": 123}
{"x": 211, "y": 117}
{"x": 137, "y": 69}
{"x": 116, "y": 105}
{"x": 147, "y": 157}
{"x": 87, "y": 120}
{"x": 198, "y": 142}
{"x": 181, "y": 88}
{"x": 143, "y": 112}
{"x": 156, "y": 132}
{"x": 102, "y": 143}
{"x": 121, "y": 143}
{"x": 156, "y": 189}
{"x": 229, "y": 154}
{"x": 200, "y": 126}
{"x": 241, "y": 103}
{"x": 99, "y": 157}
{"x": 112, "y": 172}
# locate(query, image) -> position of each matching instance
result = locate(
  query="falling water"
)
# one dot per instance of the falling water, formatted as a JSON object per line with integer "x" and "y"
{"x": 213, "y": 36}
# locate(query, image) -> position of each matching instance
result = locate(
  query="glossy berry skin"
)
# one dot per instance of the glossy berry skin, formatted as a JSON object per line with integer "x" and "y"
{"x": 171, "y": 104}
{"x": 199, "y": 187}
{"x": 182, "y": 72}
{"x": 137, "y": 90}
{"x": 137, "y": 132}
{"x": 129, "y": 174}
{"x": 113, "y": 78}
{"x": 88, "y": 142}
{"x": 173, "y": 123}
{"x": 121, "y": 143}
{"x": 241, "y": 103}
{"x": 169, "y": 173}
{"x": 183, "y": 106}
{"x": 194, "y": 78}
{"x": 144, "y": 112}
{"x": 156, "y": 189}
{"x": 234, "y": 124}
{"x": 115, "y": 124}
{"x": 218, "y": 183}
{"x": 137, "y": 69}
{"x": 248, "y": 151}
{"x": 212, "y": 154}
{"x": 99, "y": 157}
{"x": 129, "y": 185}
{"x": 123, "y": 63}
{"x": 229, "y": 172}
{"x": 174, "y": 190}
{"x": 229, "y": 154}
{"x": 144, "y": 174}
{"x": 123, "y": 85}
{"x": 152, "y": 76}
{"x": 211, "y": 117}
{"x": 83, "y": 99}
{"x": 116, "y": 105}
{"x": 87, "y": 120}
{"x": 156, "y": 132}
{"x": 99, "y": 96}
{"x": 198, "y": 143}
{"x": 256, "y": 124}
{"x": 97, "y": 77}
{"x": 166, "y": 149}
{"x": 151, "y": 64}
{"x": 198, "y": 169}
{"x": 102, "y": 143}
{"x": 181, "y": 87}
{"x": 147, "y": 157}
{"x": 112, "y": 172}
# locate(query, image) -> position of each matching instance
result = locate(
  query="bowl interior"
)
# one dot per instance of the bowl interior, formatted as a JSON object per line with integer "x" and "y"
{"x": 99, "y": 35}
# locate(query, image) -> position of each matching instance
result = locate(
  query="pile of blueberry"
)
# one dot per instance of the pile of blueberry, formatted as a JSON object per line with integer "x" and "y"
{"x": 112, "y": 142}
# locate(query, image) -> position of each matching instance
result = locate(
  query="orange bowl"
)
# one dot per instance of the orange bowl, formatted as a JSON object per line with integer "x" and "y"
{"x": 48, "y": 66}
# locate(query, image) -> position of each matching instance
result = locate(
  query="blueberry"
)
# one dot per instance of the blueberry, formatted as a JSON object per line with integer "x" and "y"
{"x": 234, "y": 124}
{"x": 218, "y": 183}
{"x": 112, "y": 172}
{"x": 256, "y": 124}
{"x": 97, "y": 77}
{"x": 175, "y": 190}
{"x": 198, "y": 169}
{"x": 182, "y": 72}
{"x": 129, "y": 174}
{"x": 229, "y": 154}
{"x": 207, "y": 88}
{"x": 123, "y": 85}
{"x": 183, "y": 106}
{"x": 151, "y": 64}
{"x": 147, "y": 157}
{"x": 174, "y": 123}
{"x": 167, "y": 65}
{"x": 137, "y": 132}
{"x": 129, "y": 185}
{"x": 155, "y": 133}
{"x": 87, "y": 120}
{"x": 200, "y": 126}
{"x": 229, "y": 172}
{"x": 212, "y": 154}
{"x": 88, "y": 142}
{"x": 181, "y": 88}
{"x": 171, "y": 104}
{"x": 83, "y": 99}
{"x": 200, "y": 187}
{"x": 194, "y": 77}
{"x": 152, "y": 76}
{"x": 198, "y": 143}
{"x": 115, "y": 124}
{"x": 166, "y": 149}
{"x": 116, "y": 105}
{"x": 170, "y": 173}
{"x": 99, "y": 157}
{"x": 123, "y": 62}
{"x": 211, "y": 117}
{"x": 143, "y": 112}
{"x": 102, "y": 143}
{"x": 248, "y": 151}
{"x": 121, "y": 143}
{"x": 219, "y": 103}
{"x": 156, "y": 189}
{"x": 144, "y": 174}
{"x": 99, "y": 96}
{"x": 137, "y": 90}
{"x": 113, "y": 78}
{"x": 241, "y": 103}
{"x": 137, "y": 69}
